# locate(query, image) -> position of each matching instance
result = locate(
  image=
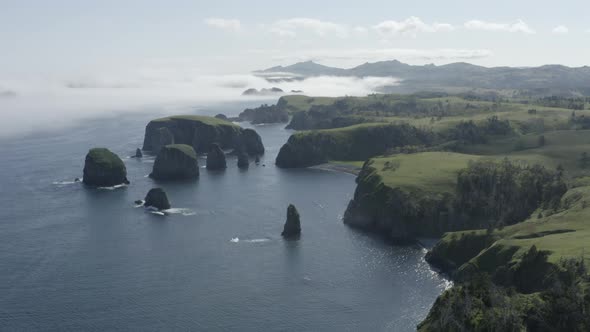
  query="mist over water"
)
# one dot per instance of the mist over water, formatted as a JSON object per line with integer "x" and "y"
{"x": 40, "y": 104}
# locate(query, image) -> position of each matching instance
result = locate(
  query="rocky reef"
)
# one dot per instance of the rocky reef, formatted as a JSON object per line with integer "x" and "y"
{"x": 176, "y": 162}
{"x": 157, "y": 198}
{"x": 216, "y": 158}
{"x": 200, "y": 132}
{"x": 359, "y": 142}
{"x": 292, "y": 226}
{"x": 104, "y": 168}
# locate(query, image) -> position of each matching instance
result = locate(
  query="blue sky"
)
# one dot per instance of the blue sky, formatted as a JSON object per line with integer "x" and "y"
{"x": 67, "y": 36}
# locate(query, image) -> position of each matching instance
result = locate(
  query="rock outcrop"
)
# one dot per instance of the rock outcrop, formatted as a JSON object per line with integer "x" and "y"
{"x": 157, "y": 198}
{"x": 243, "y": 160}
{"x": 176, "y": 162}
{"x": 292, "y": 226}
{"x": 221, "y": 116}
{"x": 104, "y": 168}
{"x": 138, "y": 153}
{"x": 216, "y": 158}
{"x": 265, "y": 114}
{"x": 200, "y": 132}
{"x": 251, "y": 142}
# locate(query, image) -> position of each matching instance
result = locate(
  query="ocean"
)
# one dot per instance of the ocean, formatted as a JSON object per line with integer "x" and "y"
{"x": 88, "y": 259}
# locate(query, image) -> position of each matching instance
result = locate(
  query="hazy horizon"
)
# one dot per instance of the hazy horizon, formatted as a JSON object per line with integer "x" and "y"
{"x": 68, "y": 59}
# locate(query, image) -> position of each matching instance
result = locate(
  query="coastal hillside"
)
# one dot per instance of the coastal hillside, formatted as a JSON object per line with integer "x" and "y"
{"x": 529, "y": 276}
{"x": 543, "y": 80}
{"x": 465, "y": 124}
{"x": 406, "y": 196}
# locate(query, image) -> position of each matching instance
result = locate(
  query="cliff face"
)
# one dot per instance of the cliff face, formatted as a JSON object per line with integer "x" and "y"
{"x": 200, "y": 132}
{"x": 400, "y": 214}
{"x": 351, "y": 143}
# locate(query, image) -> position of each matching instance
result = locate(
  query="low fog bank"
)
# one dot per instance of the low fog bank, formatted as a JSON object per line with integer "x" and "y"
{"x": 45, "y": 104}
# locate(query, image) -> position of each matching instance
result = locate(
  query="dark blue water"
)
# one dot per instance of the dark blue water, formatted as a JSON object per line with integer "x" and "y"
{"x": 74, "y": 258}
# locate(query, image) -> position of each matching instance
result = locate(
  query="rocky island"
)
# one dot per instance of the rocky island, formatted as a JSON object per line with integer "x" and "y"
{"x": 176, "y": 162}
{"x": 157, "y": 198}
{"x": 200, "y": 132}
{"x": 104, "y": 168}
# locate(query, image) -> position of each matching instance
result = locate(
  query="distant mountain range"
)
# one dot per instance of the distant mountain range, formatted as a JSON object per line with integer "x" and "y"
{"x": 549, "y": 79}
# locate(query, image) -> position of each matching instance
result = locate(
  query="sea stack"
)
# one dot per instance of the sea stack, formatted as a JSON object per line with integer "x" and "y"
{"x": 157, "y": 198}
{"x": 216, "y": 158}
{"x": 292, "y": 225}
{"x": 138, "y": 153}
{"x": 252, "y": 142}
{"x": 243, "y": 161}
{"x": 176, "y": 162}
{"x": 104, "y": 168}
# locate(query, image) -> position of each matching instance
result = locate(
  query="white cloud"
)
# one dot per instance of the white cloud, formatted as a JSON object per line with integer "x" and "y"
{"x": 290, "y": 27}
{"x": 518, "y": 26}
{"x": 224, "y": 24}
{"x": 560, "y": 29}
{"x": 411, "y": 25}
{"x": 360, "y": 30}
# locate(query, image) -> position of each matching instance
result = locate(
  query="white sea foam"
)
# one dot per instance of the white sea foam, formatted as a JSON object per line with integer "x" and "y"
{"x": 257, "y": 240}
{"x": 159, "y": 213}
{"x": 122, "y": 185}
{"x": 64, "y": 183}
{"x": 182, "y": 211}
{"x": 236, "y": 240}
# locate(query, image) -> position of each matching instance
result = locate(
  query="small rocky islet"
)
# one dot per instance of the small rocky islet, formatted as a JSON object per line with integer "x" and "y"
{"x": 292, "y": 228}
{"x": 176, "y": 162}
{"x": 157, "y": 198}
{"x": 103, "y": 168}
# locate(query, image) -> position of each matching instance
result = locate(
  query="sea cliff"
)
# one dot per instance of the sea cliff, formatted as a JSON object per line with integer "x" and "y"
{"x": 200, "y": 132}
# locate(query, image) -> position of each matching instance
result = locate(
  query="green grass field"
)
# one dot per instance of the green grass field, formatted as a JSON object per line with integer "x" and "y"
{"x": 434, "y": 172}
{"x": 208, "y": 120}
